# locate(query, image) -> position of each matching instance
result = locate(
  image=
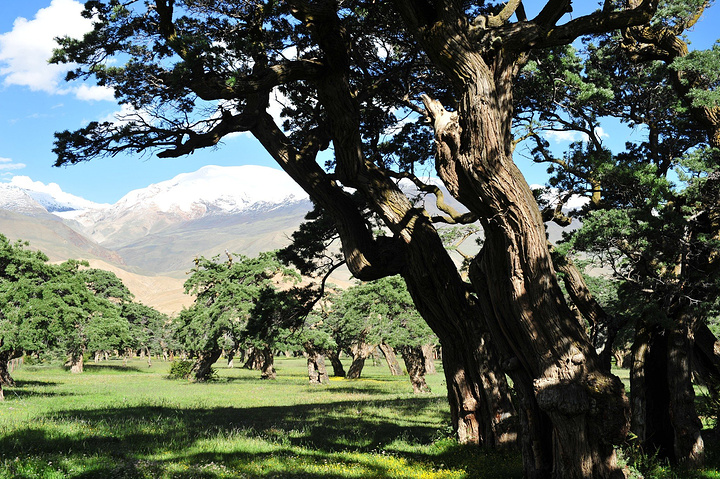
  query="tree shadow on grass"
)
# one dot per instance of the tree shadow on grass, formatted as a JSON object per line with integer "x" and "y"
{"x": 279, "y": 441}
{"x": 23, "y": 383}
{"x": 19, "y": 393}
{"x": 100, "y": 367}
{"x": 25, "y": 389}
{"x": 345, "y": 388}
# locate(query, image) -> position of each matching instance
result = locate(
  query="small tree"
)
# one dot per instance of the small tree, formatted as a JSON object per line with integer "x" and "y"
{"x": 381, "y": 312}
{"x": 22, "y": 271}
{"x": 227, "y": 295}
{"x": 147, "y": 328}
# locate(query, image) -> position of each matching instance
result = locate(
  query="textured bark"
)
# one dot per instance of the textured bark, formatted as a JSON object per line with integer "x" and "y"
{"x": 391, "y": 359}
{"x": 621, "y": 357}
{"x": 604, "y": 327}
{"x": 415, "y": 365}
{"x": 5, "y": 358}
{"x": 202, "y": 369}
{"x": 338, "y": 369}
{"x": 664, "y": 417}
{"x": 254, "y": 359}
{"x": 76, "y": 362}
{"x": 267, "y": 367}
{"x": 429, "y": 355}
{"x": 317, "y": 373}
{"x": 557, "y": 368}
{"x": 231, "y": 358}
{"x": 478, "y": 392}
{"x": 360, "y": 352}
{"x": 688, "y": 443}
{"x": 649, "y": 392}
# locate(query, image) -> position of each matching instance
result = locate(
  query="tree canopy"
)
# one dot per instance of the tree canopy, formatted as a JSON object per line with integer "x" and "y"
{"x": 376, "y": 82}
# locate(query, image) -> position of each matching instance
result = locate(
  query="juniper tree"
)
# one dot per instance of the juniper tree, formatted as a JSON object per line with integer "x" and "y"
{"x": 197, "y": 71}
{"x": 651, "y": 207}
{"x": 229, "y": 294}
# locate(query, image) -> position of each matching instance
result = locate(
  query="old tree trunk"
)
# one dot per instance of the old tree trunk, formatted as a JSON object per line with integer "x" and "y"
{"x": 572, "y": 411}
{"x": 360, "y": 352}
{"x": 202, "y": 369}
{"x": 477, "y": 389}
{"x": 5, "y": 378}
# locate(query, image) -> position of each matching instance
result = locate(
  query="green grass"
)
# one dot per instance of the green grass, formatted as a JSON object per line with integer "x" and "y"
{"x": 132, "y": 422}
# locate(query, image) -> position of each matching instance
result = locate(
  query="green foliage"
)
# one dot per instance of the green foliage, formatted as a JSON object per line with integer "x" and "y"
{"x": 180, "y": 369}
{"x": 240, "y": 301}
{"x": 147, "y": 327}
{"x": 62, "y": 309}
{"x": 375, "y": 312}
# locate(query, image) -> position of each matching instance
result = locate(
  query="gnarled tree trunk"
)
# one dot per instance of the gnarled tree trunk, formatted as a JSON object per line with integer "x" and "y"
{"x": 5, "y": 358}
{"x": 688, "y": 444}
{"x": 254, "y": 359}
{"x": 428, "y": 351}
{"x": 557, "y": 369}
{"x": 317, "y": 373}
{"x": 268, "y": 364}
{"x": 391, "y": 358}
{"x": 202, "y": 369}
{"x": 415, "y": 365}
{"x": 360, "y": 352}
{"x": 664, "y": 417}
{"x": 338, "y": 369}
{"x": 76, "y": 362}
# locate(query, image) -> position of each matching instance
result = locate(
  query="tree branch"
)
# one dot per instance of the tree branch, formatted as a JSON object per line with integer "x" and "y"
{"x": 453, "y": 216}
{"x": 521, "y": 36}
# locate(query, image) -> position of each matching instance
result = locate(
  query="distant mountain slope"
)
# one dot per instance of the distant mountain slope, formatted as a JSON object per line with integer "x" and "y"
{"x": 47, "y": 233}
{"x": 212, "y": 191}
{"x": 172, "y": 249}
{"x": 159, "y": 229}
{"x": 161, "y": 292}
{"x": 150, "y": 237}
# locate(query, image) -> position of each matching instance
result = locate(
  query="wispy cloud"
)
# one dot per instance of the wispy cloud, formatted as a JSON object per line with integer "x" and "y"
{"x": 7, "y": 164}
{"x": 26, "y": 49}
{"x": 566, "y": 136}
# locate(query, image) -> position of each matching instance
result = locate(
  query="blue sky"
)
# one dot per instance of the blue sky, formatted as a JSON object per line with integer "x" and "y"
{"x": 35, "y": 102}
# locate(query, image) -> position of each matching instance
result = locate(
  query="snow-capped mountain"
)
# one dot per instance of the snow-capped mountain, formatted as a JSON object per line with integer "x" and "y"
{"x": 50, "y": 197}
{"x": 214, "y": 189}
{"x": 211, "y": 191}
{"x": 18, "y": 200}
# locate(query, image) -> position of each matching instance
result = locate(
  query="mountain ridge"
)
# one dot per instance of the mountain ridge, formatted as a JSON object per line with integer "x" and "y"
{"x": 153, "y": 234}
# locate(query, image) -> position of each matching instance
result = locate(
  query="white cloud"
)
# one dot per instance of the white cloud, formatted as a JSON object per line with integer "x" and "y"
{"x": 26, "y": 49}
{"x": 26, "y": 183}
{"x": 553, "y": 195}
{"x": 600, "y": 132}
{"x": 8, "y": 164}
{"x": 51, "y": 193}
{"x": 563, "y": 136}
{"x": 94, "y": 93}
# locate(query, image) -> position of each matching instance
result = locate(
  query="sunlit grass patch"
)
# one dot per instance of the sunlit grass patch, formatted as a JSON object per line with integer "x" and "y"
{"x": 135, "y": 423}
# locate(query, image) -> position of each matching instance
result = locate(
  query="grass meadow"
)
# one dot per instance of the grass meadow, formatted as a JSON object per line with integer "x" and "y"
{"x": 133, "y": 422}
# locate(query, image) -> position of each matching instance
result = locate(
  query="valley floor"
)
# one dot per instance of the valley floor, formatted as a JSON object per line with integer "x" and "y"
{"x": 133, "y": 422}
{"x": 116, "y": 421}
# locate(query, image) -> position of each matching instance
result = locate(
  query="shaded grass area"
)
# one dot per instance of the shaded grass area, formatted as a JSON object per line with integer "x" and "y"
{"x": 133, "y": 423}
